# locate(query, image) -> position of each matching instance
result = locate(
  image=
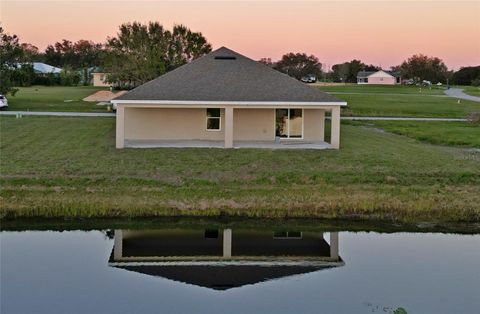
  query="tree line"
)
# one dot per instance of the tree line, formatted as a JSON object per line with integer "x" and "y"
{"x": 140, "y": 52}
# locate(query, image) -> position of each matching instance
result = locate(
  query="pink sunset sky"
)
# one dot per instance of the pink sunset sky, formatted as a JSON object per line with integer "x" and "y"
{"x": 378, "y": 32}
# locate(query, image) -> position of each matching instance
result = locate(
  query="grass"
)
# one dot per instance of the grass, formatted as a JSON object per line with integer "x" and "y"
{"x": 383, "y": 89}
{"x": 69, "y": 168}
{"x": 406, "y": 106}
{"x": 471, "y": 90}
{"x": 54, "y": 98}
{"x": 400, "y": 101}
{"x": 441, "y": 133}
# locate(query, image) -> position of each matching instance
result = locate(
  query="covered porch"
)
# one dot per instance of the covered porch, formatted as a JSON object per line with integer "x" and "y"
{"x": 272, "y": 126}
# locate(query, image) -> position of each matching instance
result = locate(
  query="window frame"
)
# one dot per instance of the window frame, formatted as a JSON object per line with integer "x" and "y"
{"x": 208, "y": 118}
{"x": 288, "y": 124}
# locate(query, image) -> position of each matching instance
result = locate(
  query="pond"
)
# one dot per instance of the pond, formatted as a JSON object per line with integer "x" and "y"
{"x": 178, "y": 269}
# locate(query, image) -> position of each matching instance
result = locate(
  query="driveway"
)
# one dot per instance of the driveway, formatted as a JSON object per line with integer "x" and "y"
{"x": 458, "y": 93}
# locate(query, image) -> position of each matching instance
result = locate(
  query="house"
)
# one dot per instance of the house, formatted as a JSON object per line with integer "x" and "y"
{"x": 379, "y": 77}
{"x": 224, "y": 99}
{"x": 222, "y": 259}
{"x": 99, "y": 78}
{"x": 43, "y": 68}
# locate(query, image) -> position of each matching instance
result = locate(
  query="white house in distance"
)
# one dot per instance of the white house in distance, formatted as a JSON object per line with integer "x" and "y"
{"x": 378, "y": 77}
{"x": 43, "y": 68}
{"x": 224, "y": 99}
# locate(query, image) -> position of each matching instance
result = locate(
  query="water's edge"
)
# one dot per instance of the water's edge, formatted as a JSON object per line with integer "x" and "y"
{"x": 201, "y": 222}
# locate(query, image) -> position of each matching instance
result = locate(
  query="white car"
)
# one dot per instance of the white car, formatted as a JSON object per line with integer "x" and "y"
{"x": 3, "y": 102}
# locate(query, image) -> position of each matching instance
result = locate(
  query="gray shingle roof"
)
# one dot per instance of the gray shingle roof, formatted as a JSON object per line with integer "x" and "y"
{"x": 224, "y": 75}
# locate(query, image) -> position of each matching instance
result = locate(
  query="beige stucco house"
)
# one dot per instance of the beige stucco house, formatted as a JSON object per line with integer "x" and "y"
{"x": 380, "y": 77}
{"x": 100, "y": 79}
{"x": 224, "y": 99}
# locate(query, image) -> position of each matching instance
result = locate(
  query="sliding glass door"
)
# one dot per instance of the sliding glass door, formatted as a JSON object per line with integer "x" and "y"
{"x": 289, "y": 123}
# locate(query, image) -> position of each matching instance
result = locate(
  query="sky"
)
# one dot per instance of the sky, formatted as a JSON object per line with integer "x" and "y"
{"x": 383, "y": 33}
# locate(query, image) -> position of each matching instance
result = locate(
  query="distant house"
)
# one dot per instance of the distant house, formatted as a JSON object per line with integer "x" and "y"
{"x": 224, "y": 99}
{"x": 378, "y": 77}
{"x": 99, "y": 78}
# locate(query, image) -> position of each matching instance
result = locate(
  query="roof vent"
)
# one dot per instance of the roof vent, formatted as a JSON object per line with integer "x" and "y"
{"x": 225, "y": 58}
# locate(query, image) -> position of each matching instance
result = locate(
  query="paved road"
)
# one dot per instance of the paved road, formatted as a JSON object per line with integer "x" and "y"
{"x": 101, "y": 114}
{"x": 458, "y": 93}
{"x": 57, "y": 114}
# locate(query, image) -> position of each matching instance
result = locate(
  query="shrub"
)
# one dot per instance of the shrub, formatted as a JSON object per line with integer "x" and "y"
{"x": 476, "y": 82}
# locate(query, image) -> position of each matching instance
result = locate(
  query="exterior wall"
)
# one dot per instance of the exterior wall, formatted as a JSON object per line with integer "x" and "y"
{"x": 314, "y": 124}
{"x": 170, "y": 124}
{"x": 99, "y": 79}
{"x": 381, "y": 78}
{"x": 253, "y": 124}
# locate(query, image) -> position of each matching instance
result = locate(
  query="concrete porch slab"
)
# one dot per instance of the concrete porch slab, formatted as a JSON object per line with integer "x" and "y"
{"x": 292, "y": 144}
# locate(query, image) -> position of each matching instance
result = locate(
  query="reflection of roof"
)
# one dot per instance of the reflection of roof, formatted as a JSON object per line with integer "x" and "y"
{"x": 224, "y": 75}
{"x": 222, "y": 277}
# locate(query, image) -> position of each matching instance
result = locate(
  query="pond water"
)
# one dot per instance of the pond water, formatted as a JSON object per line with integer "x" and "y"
{"x": 238, "y": 270}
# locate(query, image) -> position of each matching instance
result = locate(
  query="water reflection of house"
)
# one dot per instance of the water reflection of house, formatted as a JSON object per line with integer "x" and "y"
{"x": 223, "y": 259}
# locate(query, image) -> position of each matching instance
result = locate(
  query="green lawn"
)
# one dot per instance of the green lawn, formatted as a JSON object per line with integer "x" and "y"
{"x": 434, "y": 132}
{"x": 406, "y": 106}
{"x": 400, "y": 101}
{"x": 471, "y": 90}
{"x": 383, "y": 89}
{"x": 69, "y": 167}
{"x": 54, "y": 98}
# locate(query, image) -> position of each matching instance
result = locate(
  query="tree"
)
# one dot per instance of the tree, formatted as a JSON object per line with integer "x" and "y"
{"x": 347, "y": 72}
{"x": 142, "y": 52}
{"x": 421, "y": 67}
{"x": 466, "y": 75}
{"x": 299, "y": 65}
{"x": 11, "y": 54}
{"x": 267, "y": 62}
{"x": 30, "y": 52}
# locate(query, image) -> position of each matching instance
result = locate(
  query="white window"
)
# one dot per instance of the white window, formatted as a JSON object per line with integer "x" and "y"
{"x": 213, "y": 119}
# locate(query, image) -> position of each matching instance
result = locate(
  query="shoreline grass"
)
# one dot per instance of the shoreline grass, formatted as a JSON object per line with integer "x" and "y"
{"x": 199, "y": 222}
{"x": 69, "y": 168}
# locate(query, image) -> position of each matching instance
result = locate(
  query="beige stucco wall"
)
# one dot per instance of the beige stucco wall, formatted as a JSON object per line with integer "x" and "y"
{"x": 253, "y": 125}
{"x": 99, "y": 79}
{"x": 190, "y": 124}
{"x": 314, "y": 124}
{"x": 170, "y": 124}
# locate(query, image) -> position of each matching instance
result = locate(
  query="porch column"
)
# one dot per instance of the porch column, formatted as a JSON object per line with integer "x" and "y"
{"x": 334, "y": 245}
{"x": 335, "y": 127}
{"x": 118, "y": 244}
{"x": 120, "y": 133}
{"x": 228, "y": 127}
{"x": 322, "y": 125}
{"x": 227, "y": 243}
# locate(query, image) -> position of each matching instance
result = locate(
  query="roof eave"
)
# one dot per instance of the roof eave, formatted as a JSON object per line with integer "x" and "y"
{"x": 230, "y": 103}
